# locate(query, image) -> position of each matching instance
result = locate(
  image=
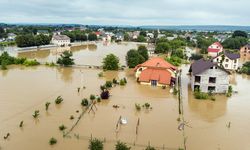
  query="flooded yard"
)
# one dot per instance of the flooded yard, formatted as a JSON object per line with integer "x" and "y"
{"x": 222, "y": 124}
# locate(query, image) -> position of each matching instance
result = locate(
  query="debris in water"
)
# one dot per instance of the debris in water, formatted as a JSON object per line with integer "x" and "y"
{"x": 116, "y": 106}
{"x": 181, "y": 126}
{"x": 7, "y": 136}
{"x": 123, "y": 121}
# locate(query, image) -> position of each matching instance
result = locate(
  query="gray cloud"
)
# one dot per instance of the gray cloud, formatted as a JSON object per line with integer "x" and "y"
{"x": 127, "y": 12}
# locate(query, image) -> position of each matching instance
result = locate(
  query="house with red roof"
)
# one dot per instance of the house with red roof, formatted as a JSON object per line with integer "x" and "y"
{"x": 215, "y": 49}
{"x": 156, "y": 72}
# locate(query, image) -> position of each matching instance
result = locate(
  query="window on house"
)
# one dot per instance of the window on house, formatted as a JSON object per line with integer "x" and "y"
{"x": 211, "y": 67}
{"x": 211, "y": 88}
{"x": 217, "y": 59}
{"x": 212, "y": 79}
{"x": 235, "y": 61}
{"x": 226, "y": 65}
{"x": 227, "y": 60}
{"x": 140, "y": 69}
{"x": 197, "y": 79}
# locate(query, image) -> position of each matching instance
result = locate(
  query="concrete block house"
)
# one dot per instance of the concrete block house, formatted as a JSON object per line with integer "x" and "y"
{"x": 156, "y": 72}
{"x": 207, "y": 76}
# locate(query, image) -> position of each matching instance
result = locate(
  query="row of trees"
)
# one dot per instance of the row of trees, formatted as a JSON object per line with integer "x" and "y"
{"x": 29, "y": 40}
{"x": 238, "y": 39}
{"x": 164, "y": 46}
{"x": 135, "y": 57}
{"x": 78, "y": 35}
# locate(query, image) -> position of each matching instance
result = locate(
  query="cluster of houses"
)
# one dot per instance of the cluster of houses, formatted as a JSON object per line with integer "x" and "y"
{"x": 210, "y": 74}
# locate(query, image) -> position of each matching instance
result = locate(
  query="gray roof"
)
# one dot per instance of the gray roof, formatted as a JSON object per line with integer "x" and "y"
{"x": 248, "y": 45}
{"x": 232, "y": 56}
{"x": 61, "y": 37}
{"x": 202, "y": 65}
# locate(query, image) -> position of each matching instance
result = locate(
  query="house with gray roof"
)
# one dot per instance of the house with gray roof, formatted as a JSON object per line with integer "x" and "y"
{"x": 207, "y": 76}
{"x": 60, "y": 40}
{"x": 228, "y": 60}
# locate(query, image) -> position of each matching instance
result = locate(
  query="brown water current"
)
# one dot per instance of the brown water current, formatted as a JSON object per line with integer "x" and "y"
{"x": 26, "y": 89}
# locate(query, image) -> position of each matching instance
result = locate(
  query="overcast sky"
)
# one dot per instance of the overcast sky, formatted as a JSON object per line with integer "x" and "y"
{"x": 127, "y": 12}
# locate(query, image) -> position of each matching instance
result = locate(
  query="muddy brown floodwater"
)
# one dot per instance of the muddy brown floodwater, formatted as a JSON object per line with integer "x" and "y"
{"x": 88, "y": 54}
{"x": 26, "y": 89}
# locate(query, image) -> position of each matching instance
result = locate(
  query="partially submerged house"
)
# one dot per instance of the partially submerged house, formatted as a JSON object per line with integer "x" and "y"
{"x": 207, "y": 76}
{"x": 229, "y": 61}
{"x": 60, "y": 40}
{"x": 156, "y": 72}
{"x": 215, "y": 49}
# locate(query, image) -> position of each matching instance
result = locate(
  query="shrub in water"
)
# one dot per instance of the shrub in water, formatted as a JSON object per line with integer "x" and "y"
{"x": 95, "y": 144}
{"x": 105, "y": 94}
{"x": 36, "y": 114}
{"x": 62, "y": 127}
{"x": 121, "y": 146}
{"x": 52, "y": 141}
{"x": 59, "y": 100}
{"x": 85, "y": 102}
{"x": 30, "y": 62}
{"x": 108, "y": 84}
{"x": 92, "y": 97}
{"x": 150, "y": 148}
{"x": 137, "y": 107}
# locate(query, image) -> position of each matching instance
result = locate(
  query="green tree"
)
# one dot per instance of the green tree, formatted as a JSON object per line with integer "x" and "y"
{"x": 239, "y": 33}
{"x": 126, "y": 37}
{"x": 141, "y": 38}
{"x": 92, "y": 37}
{"x": 142, "y": 50}
{"x": 163, "y": 47}
{"x": 133, "y": 58}
{"x": 235, "y": 43}
{"x": 65, "y": 59}
{"x": 178, "y": 53}
{"x": 143, "y": 33}
{"x": 111, "y": 62}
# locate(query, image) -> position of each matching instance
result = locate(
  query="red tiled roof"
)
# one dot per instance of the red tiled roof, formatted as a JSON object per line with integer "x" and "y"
{"x": 218, "y": 44}
{"x": 157, "y": 62}
{"x": 160, "y": 75}
{"x": 213, "y": 50}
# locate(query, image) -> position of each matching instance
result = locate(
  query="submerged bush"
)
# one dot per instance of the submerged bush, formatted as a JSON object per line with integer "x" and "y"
{"x": 62, "y": 127}
{"x": 100, "y": 74}
{"x": 31, "y": 62}
{"x": 36, "y": 114}
{"x": 150, "y": 148}
{"x": 200, "y": 95}
{"x": 121, "y": 146}
{"x": 92, "y": 97}
{"x": 230, "y": 91}
{"x": 137, "y": 107}
{"x": 52, "y": 141}
{"x": 47, "y": 105}
{"x": 85, "y": 102}
{"x": 108, "y": 84}
{"x": 59, "y": 100}
{"x": 105, "y": 94}
{"x": 95, "y": 144}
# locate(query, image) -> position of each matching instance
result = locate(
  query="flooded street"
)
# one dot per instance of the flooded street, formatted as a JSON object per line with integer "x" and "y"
{"x": 26, "y": 89}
